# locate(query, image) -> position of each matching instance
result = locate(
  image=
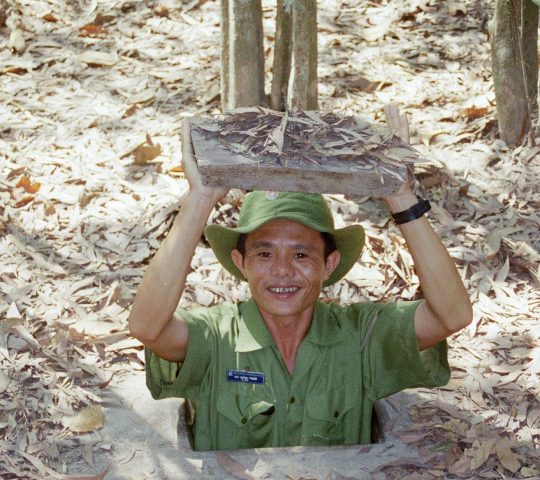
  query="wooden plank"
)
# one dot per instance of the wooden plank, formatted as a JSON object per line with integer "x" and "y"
{"x": 220, "y": 166}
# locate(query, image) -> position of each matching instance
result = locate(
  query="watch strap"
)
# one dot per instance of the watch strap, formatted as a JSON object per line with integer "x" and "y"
{"x": 412, "y": 213}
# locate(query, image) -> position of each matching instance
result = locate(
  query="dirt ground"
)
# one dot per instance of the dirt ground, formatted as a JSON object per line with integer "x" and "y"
{"x": 93, "y": 93}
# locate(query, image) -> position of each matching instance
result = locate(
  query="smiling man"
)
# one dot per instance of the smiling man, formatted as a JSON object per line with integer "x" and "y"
{"x": 283, "y": 368}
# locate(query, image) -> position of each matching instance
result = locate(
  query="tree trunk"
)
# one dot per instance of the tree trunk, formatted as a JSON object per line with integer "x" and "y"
{"x": 242, "y": 75}
{"x": 303, "y": 93}
{"x": 515, "y": 66}
{"x": 225, "y": 81}
{"x": 281, "y": 67}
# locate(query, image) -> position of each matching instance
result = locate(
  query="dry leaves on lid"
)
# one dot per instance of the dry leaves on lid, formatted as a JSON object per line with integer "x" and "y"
{"x": 263, "y": 135}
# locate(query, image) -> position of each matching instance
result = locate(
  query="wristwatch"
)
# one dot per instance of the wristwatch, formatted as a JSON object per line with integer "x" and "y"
{"x": 412, "y": 213}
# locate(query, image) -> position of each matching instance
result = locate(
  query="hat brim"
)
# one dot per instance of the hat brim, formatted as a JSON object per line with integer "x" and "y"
{"x": 349, "y": 242}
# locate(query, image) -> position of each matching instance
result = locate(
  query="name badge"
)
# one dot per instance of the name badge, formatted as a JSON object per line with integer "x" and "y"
{"x": 245, "y": 377}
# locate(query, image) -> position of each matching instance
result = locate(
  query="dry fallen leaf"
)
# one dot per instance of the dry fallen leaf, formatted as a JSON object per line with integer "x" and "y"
{"x": 16, "y": 42}
{"x": 89, "y": 419}
{"x": 88, "y": 454}
{"x": 100, "y": 476}
{"x": 28, "y": 186}
{"x": 4, "y": 381}
{"x": 23, "y": 201}
{"x": 472, "y": 113}
{"x": 161, "y": 11}
{"x": 456, "y": 7}
{"x": 233, "y": 467}
{"x": 481, "y": 452}
{"x": 93, "y": 31}
{"x": 506, "y": 456}
{"x": 176, "y": 171}
{"x": 363, "y": 84}
{"x": 50, "y": 17}
{"x": 146, "y": 153}
{"x": 96, "y": 58}
{"x": 13, "y": 311}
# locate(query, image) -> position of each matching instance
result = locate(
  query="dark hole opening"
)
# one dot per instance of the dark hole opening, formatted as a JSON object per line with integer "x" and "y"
{"x": 379, "y": 422}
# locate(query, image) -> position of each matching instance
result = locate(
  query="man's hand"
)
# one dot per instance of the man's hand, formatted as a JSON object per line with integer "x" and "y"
{"x": 399, "y": 125}
{"x": 192, "y": 171}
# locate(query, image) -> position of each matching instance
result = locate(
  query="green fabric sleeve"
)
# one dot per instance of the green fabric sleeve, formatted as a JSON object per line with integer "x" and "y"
{"x": 395, "y": 361}
{"x": 167, "y": 379}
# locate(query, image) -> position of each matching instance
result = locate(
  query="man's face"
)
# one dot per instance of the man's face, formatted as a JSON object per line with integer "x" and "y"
{"x": 285, "y": 268}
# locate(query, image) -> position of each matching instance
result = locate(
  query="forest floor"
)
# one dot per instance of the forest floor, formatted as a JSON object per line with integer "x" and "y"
{"x": 95, "y": 86}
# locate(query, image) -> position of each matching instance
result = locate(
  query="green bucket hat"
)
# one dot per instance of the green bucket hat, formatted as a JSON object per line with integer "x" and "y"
{"x": 306, "y": 208}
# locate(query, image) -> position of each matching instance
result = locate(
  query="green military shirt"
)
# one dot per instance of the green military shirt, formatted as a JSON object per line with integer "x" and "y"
{"x": 244, "y": 396}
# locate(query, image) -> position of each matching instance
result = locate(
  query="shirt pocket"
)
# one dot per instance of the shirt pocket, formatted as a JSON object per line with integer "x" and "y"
{"x": 250, "y": 417}
{"x": 325, "y": 414}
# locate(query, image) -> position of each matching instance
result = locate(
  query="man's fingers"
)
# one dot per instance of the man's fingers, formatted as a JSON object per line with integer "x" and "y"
{"x": 188, "y": 160}
{"x": 189, "y": 164}
{"x": 398, "y": 123}
{"x": 392, "y": 116}
{"x": 187, "y": 149}
{"x": 404, "y": 128}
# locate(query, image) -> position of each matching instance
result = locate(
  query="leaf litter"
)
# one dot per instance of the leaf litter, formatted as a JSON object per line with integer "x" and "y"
{"x": 81, "y": 216}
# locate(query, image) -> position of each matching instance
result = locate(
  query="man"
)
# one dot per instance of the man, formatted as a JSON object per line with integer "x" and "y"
{"x": 283, "y": 368}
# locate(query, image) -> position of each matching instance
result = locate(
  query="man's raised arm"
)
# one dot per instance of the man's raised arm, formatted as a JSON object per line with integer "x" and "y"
{"x": 152, "y": 319}
{"x": 447, "y": 307}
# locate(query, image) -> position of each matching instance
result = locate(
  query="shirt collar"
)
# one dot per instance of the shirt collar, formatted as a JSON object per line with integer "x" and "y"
{"x": 252, "y": 331}
{"x": 325, "y": 328}
{"x": 254, "y": 335}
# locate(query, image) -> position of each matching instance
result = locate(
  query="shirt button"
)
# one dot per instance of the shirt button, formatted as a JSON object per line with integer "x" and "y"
{"x": 244, "y": 420}
{"x": 336, "y": 414}
{"x": 292, "y": 400}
